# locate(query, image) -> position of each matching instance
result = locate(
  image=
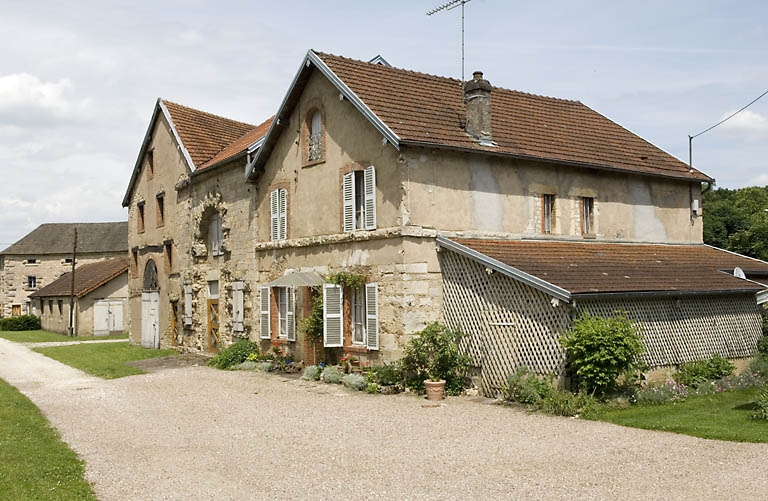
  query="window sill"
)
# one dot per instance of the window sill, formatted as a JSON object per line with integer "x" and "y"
{"x": 356, "y": 349}
{"x": 590, "y": 236}
{"x": 311, "y": 163}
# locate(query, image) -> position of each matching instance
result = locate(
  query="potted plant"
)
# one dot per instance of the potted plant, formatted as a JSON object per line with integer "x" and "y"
{"x": 434, "y": 363}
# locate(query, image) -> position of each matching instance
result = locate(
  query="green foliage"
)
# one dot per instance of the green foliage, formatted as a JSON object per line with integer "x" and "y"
{"x": 20, "y": 323}
{"x": 565, "y": 403}
{"x": 600, "y": 349}
{"x": 234, "y": 354}
{"x": 701, "y": 371}
{"x": 332, "y": 375}
{"x": 762, "y": 344}
{"x": 312, "y": 326}
{"x": 389, "y": 374}
{"x": 41, "y": 336}
{"x": 311, "y": 373}
{"x": 372, "y": 388}
{"x": 759, "y": 366}
{"x": 736, "y": 220}
{"x": 347, "y": 279}
{"x": 434, "y": 354}
{"x": 354, "y": 381}
{"x": 525, "y": 387}
{"x": 104, "y": 360}
{"x": 34, "y": 462}
{"x": 761, "y": 404}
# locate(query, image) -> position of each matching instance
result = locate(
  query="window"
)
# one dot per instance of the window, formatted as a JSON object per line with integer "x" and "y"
{"x": 278, "y": 303}
{"x": 363, "y": 320}
{"x": 587, "y": 215}
{"x": 135, "y": 262}
{"x": 50, "y": 306}
{"x": 67, "y": 260}
{"x": 315, "y": 142}
{"x": 32, "y": 260}
{"x": 278, "y": 208}
{"x": 215, "y": 235}
{"x": 168, "y": 254}
{"x": 150, "y": 164}
{"x": 548, "y": 213}
{"x": 140, "y": 216}
{"x": 160, "y": 209}
{"x": 359, "y": 200}
{"x": 31, "y": 282}
{"x": 60, "y": 304}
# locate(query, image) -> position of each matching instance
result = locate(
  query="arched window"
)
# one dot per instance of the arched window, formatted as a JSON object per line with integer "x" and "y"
{"x": 150, "y": 276}
{"x": 315, "y": 151}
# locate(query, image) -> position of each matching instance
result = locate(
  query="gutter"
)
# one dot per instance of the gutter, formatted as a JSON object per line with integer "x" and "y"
{"x": 603, "y": 295}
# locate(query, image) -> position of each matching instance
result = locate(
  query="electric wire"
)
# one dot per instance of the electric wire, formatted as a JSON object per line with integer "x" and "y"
{"x": 733, "y": 115}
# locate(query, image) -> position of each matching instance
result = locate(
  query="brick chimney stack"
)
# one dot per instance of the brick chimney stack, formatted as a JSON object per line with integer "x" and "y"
{"x": 477, "y": 99}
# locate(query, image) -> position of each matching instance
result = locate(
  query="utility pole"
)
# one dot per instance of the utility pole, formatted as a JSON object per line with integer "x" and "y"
{"x": 72, "y": 290}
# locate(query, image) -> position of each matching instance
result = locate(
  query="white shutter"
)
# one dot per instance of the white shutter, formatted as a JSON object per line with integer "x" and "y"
{"x": 274, "y": 210}
{"x": 282, "y": 233}
{"x": 290, "y": 313}
{"x": 214, "y": 235}
{"x": 265, "y": 328}
{"x": 237, "y": 306}
{"x": 370, "y": 198}
{"x": 348, "y": 194}
{"x": 372, "y": 316}
{"x": 332, "y": 313}
{"x": 187, "y": 305}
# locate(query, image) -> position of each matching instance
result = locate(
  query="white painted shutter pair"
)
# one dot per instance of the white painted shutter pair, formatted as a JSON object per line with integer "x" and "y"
{"x": 215, "y": 235}
{"x": 348, "y": 196}
{"x": 187, "y": 305}
{"x": 333, "y": 311}
{"x": 265, "y": 314}
{"x": 278, "y": 210}
{"x": 237, "y": 306}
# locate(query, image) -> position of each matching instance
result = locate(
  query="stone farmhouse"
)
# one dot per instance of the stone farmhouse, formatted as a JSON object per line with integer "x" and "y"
{"x": 405, "y": 198}
{"x": 45, "y": 254}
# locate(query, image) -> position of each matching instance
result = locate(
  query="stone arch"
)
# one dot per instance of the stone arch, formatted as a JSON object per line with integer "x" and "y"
{"x": 150, "y": 276}
{"x": 210, "y": 205}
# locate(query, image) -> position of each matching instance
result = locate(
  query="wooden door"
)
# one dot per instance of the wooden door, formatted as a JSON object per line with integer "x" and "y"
{"x": 213, "y": 325}
{"x": 16, "y": 310}
{"x": 101, "y": 318}
{"x": 150, "y": 328}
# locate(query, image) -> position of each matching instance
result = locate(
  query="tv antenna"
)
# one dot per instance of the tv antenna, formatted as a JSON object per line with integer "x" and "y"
{"x": 450, "y": 6}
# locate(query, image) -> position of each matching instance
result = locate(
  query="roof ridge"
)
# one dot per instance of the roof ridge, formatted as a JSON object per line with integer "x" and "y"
{"x": 196, "y": 110}
{"x": 458, "y": 81}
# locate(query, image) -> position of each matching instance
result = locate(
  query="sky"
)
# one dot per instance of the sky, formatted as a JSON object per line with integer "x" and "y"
{"x": 79, "y": 80}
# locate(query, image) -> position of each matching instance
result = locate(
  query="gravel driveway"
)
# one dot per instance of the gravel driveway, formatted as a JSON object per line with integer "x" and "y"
{"x": 199, "y": 433}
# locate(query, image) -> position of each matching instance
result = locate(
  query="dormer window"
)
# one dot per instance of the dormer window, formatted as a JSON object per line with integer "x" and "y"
{"x": 315, "y": 143}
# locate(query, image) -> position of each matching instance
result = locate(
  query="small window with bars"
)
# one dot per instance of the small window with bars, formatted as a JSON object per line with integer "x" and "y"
{"x": 548, "y": 213}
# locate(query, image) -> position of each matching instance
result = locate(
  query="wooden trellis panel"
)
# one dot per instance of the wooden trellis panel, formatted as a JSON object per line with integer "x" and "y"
{"x": 509, "y": 324}
{"x": 686, "y": 328}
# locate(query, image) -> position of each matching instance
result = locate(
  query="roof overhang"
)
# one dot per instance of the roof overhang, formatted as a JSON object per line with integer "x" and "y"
{"x": 312, "y": 61}
{"x": 535, "y": 282}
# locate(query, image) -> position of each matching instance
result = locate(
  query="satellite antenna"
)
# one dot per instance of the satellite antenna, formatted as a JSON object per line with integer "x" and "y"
{"x": 739, "y": 273}
{"x": 450, "y": 6}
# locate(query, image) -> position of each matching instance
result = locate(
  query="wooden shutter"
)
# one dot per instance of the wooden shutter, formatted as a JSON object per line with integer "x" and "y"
{"x": 332, "y": 316}
{"x": 348, "y": 195}
{"x": 372, "y": 316}
{"x": 282, "y": 233}
{"x": 187, "y": 305}
{"x": 265, "y": 327}
{"x": 274, "y": 214}
{"x": 290, "y": 313}
{"x": 237, "y": 306}
{"x": 370, "y": 198}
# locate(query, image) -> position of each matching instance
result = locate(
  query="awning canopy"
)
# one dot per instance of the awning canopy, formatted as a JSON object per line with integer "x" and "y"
{"x": 298, "y": 279}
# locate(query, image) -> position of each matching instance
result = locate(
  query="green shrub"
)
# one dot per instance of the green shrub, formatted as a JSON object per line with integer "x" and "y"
{"x": 312, "y": 326}
{"x": 20, "y": 323}
{"x": 354, "y": 381}
{"x": 389, "y": 374}
{"x": 761, "y": 412}
{"x": 266, "y": 365}
{"x": 311, "y": 373}
{"x": 234, "y": 354}
{"x": 565, "y": 403}
{"x": 372, "y": 388}
{"x": 526, "y": 387}
{"x": 332, "y": 375}
{"x": 762, "y": 345}
{"x": 759, "y": 366}
{"x": 600, "y": 349}
{"x": 701, "y": 371}
{"x": 434, "y": 354}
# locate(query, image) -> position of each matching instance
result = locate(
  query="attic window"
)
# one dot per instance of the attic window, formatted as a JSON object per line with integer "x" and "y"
{"x": 548, "y": 213}
{"x": 140, "y": 217}
{"x": 150, "y": 164}
{"x": 315, "y": 148}
{"x": 32, "y": 260}
{"x": 160, "y": 209}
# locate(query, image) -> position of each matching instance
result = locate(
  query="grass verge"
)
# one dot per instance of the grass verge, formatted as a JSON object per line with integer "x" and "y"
{"x": 47, "y": 337}
{"x": 34, "y": 462}
{"x": 104, "y": 360}
{"x": 720, "y": 416}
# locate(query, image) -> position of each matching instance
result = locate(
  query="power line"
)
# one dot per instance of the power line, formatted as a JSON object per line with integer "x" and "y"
{"x": 733, "y": 115}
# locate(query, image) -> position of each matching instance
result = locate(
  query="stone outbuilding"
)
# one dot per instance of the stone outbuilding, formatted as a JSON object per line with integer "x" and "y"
{"x": 100, "y": 296}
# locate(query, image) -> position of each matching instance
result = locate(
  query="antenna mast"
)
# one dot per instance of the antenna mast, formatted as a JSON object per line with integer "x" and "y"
{"x": 450, "y": 6}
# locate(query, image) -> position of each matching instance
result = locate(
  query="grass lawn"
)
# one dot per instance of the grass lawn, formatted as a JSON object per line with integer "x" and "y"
{"x": 720, "y": 416}
{"x": 104, "y": 360}
{"x": 46, "y": 336}
{"x": 34, "y": 462}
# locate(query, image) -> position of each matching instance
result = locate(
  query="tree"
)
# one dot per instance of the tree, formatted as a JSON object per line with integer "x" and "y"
{"x": 736, "y": 220}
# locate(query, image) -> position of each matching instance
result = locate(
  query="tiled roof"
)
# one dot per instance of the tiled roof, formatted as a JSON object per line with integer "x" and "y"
{"x": 427, "y": 109}
{"x": 57, "y": 238}
{"x": 204, "y": 135}
{"x": 588, "y": 268}
{"x": 240, "y": 144}
{"x": 87, "y": 278}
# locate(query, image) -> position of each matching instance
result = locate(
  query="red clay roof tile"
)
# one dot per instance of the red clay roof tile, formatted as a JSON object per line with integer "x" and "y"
{"x": 87, "y": 278}
{"x": 240, "y": 144}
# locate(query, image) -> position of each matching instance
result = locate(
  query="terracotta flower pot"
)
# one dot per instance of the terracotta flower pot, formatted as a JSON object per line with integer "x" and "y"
{"x": 435, "y": 389}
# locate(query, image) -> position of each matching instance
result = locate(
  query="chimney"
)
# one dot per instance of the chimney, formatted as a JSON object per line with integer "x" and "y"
{"x": 477, "y": 99}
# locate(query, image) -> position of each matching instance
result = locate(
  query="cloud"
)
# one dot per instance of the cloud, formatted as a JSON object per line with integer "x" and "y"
{"x": 25, "y": 100}
{"x": 748, "y": 121}
{"x": 761, "y": 180}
